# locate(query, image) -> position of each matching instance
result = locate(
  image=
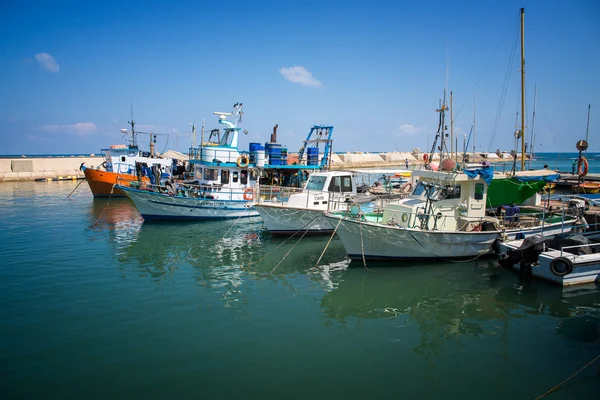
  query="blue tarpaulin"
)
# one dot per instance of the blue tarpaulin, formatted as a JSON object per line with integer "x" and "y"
{"x": 487, "y": 173}
{"x": 547, "y": 178}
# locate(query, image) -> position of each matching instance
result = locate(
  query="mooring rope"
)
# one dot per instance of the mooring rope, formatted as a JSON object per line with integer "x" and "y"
{"x": 80, "y": 182}
{"x": 362, "y": 245}
{"x": 106, "y": 205}
{"x": 286, "y": 240}
{"x": 289, "y": 251}
{"x": 236, "y": 221}
{"x": 328, "y": 242}
{"x": 569, "y": 378}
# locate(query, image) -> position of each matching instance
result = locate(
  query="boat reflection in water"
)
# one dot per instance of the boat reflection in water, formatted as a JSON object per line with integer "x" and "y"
{"x": 445, "y": 302}
{"x": 116, "y": 218}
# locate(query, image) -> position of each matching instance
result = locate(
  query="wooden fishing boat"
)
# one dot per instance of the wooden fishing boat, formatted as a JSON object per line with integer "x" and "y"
{"x": 586, "y": 188}
{"x": 126, "y": 163}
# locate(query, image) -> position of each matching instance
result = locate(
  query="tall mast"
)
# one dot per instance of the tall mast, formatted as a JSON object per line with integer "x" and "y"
{"x": 452, "y": 149}
{"x": 474, "y": 124}
{"x": 587, "y": 129}
{"x": 523, "y": 89}
{"x": 532, "y": 147}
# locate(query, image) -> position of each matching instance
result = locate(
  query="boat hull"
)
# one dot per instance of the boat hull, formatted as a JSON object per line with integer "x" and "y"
{"x": 159, "y": 206}
{"x": 586, "y": 267}
{"x": 382, "y": 242}
{"x": 285, "y": 221}
{"x": 102, "y": 183}
{"x": 587, "y": 188}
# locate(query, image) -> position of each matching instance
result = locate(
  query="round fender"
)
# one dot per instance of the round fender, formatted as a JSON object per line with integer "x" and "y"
{"x": 561, "y": 266}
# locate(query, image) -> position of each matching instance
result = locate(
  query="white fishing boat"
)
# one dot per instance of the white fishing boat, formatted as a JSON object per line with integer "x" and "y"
{"x": 225, "y": 179}
{"x": 222, "y": 187}
{"x": 444, "y": 217}
{"x": 562, "y": 260}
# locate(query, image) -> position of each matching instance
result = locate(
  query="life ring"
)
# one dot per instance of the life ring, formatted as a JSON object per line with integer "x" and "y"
{"x": 426, "y": 158}
{"x": 243, "y": 161}
{"x": 582, "y": 166}
{"x": 248, "y": 194}
{"x": 561, "y": 266}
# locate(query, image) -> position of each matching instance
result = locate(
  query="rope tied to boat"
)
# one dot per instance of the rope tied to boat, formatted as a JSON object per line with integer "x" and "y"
{"x": 106, "y": 205}
{"x": 569, "y": 378}
{"x": 80, "y": 182}
{"x": 236, "y": 221}
{"x": 285, "y": 241}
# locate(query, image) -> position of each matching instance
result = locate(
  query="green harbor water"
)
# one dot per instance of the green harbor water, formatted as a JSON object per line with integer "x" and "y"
{"x": 95, "y": 303}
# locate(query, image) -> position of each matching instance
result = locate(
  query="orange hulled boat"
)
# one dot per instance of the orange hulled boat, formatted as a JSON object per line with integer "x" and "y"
{"x": 126, "y": 163}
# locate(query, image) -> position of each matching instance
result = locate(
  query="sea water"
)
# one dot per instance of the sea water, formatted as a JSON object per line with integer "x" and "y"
{"x": 95, "y": 303}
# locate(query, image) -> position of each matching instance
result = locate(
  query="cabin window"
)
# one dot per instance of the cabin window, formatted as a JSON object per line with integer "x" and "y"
{"x": 452, "y": 192}
{"x": 346, "y": 184}
{"x": 122, "y": 158}
{"x": 198, "y": 173}
{"x": 211, "y": 174}
{"x": 479, "y": 189}
{"x": 243, "y": 176}
{"x": 316, "y": 183}
{"x": 253, "y": 175}
{"x": 235, "y": 176}
{"x": 340, "y": 184}
{"x": 224, "y": 176}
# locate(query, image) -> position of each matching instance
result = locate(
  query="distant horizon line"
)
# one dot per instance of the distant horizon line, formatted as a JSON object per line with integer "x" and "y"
{"x": 64, "y": 155}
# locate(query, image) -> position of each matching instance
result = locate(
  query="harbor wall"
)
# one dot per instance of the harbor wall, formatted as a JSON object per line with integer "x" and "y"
{"x": 398, "y": 159}
{"x": 30, "y": 168}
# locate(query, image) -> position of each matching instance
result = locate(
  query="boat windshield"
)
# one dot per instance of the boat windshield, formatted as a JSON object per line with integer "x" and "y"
{"x": 316, "y": 183}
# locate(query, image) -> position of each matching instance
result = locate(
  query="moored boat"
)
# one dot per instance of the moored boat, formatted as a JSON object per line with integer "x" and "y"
{"x": 225, "y": 179}
{"x": 563, "y": 259}
{"x": 125, "y": 163}
{"x": 444, "y": 217}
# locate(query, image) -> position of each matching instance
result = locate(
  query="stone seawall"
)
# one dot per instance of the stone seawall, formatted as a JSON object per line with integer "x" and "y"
{"x": 398, "y": 159}
{"x": 28, "y": 169}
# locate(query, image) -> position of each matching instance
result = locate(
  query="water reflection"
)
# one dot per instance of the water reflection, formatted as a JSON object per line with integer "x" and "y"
{"x": 454, "y": 300}
{"x": 116, "y": 218}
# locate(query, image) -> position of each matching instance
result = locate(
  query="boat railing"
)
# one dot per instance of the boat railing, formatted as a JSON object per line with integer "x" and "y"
{"x": 579, "y": 246}
{"x": 186, "y": 189}
{"x": 221, "y": 154}
{"x": 311, "y": 198}
{"x": 436, "y": 221}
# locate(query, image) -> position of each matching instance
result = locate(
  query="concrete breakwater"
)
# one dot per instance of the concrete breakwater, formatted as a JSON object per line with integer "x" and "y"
{"x": 67, "y": 167}
{"x": 399, "y": 159}
{"x": 32, "y": 168}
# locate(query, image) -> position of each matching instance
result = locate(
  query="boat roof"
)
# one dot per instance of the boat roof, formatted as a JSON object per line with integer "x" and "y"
{"x": 403, "y": 172}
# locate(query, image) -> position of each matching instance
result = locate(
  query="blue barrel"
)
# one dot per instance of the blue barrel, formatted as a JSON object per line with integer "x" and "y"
{"x": 254, "y": 147}
{"x": 312, "y": 156}
{"x": 252, "y": 150}
{"x": 274, "y": 152}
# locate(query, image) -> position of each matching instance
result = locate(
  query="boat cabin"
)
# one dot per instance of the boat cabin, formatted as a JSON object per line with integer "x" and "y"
{"x": 122, "y": 159}
{"x": 323, "y": 188}
{"x": 446, "y": 201}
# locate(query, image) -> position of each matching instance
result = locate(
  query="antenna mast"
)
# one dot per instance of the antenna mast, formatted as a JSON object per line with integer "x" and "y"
{"x": 587, "y": 129}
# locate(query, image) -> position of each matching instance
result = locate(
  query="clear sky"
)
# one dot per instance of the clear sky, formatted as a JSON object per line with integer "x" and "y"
{"x": 375, "y": 70}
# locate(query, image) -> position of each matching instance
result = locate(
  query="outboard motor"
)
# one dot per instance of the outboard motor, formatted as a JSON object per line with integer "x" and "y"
{"x": 526, "y": 255}
{"x": 577, "y": 207}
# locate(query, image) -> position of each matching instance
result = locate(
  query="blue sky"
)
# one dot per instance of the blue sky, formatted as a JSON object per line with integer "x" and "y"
{"x": 374, "y": 70}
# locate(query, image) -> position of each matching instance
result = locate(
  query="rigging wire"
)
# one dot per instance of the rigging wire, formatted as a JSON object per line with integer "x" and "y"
{"x": 488, "y": 64}
{"x": 504, "y": 90}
